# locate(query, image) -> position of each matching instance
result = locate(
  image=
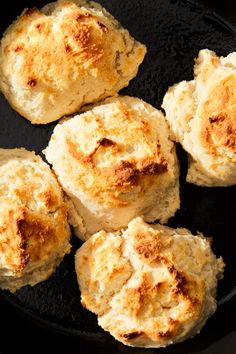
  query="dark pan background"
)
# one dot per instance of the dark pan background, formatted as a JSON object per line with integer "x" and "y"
{"x": 49, "y": 317}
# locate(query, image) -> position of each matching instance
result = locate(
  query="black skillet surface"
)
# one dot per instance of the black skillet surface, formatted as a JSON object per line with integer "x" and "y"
{"x": 174, "y": 31}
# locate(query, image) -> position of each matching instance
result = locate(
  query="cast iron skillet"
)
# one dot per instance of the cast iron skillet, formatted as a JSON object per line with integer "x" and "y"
{"x": 174, "y": 31}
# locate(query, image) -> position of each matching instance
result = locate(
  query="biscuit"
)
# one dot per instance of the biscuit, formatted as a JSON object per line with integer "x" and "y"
{"x": 68, "y": 54}
{"x": 202, "y": 117}
{"x": 115, "y": 162}
{"x": 150, "y": 285}
{"x": 34, "y": 232}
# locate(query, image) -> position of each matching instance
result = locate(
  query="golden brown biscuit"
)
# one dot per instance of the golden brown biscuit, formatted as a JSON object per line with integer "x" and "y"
{"x": 202, "y": 117}
{"x": 115, "y": 162}
{"x": 34, "y": 233}
{"x": 150, "y": 285}
{"x": 68, "y": 54}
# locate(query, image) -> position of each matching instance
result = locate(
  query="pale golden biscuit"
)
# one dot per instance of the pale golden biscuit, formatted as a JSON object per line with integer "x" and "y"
{"x": 34, "y": 233}
{"x": 202, "y": 117}
{"x": 68, "y": 54}
{"x": 150, "y": 285}
{"x": 115, "y": 162}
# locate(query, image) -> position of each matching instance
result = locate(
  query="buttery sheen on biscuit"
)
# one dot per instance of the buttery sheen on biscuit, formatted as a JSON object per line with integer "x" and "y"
{"x": 116, "y": 162}
{"x": 68, "y": 54}
{"x": 150, "y": 285}
{"x": 202, "y": 117}
{"x": 34, "y": 233}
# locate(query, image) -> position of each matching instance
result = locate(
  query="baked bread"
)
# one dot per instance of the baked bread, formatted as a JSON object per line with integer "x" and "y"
{"x": 150, "y": 285}
{"x": 202, "y": 117}
{"x": 68, "y": 54}
{"x": 34, "y": 233}
{"x": 115, "y": 162}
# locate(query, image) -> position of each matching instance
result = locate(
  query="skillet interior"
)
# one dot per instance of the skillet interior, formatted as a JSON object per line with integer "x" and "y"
{"x": 174, "y": 31}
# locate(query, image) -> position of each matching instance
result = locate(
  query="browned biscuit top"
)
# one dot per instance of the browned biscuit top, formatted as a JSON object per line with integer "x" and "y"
{"x": 218, "y": 116}
{"x": 150, "y": 285}
{"x": 33, "y": 216}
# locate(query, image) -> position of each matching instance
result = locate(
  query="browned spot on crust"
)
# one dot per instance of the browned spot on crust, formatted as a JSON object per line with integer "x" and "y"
{"x": 172, "y": 322}
{"x": 127, "y": 112}
{"x": 144, "y": 293}
{"x": 145, "y": 250}
{"x": 49, "y": 199}
{"x": 180, "y": 281}
{"x": 134, "y": 300}
{"x": 230, "y": 139}
{"x": 24, "y": 256}
{"x": 39, "y": 26}
{"x": 31, "y": 11}
{"x": 154, "y": 168}
{"x": 158, "y": 286}
{"x": 85, "y": 45}
{"x": 181, "y": 286}
{"x": 223, "y": 131}
{"x": 148, "y": 247}
{"x": 36, "y": 228}
{"x": 216, "y": 119}
{"x": 132, "y": 335}
{"x": 164, "y": 334}
{"x": 218, "y": 116}
{"x": 106, "y": 142}
{"x": 230, "y": 142}
{"x": 128, "y": 172}
{"x": 78, "y": 155}
{"x": 125, "y": 173}
{"x": 32, "y": 231}
{"x": 135, "y": 297}
{"x": 3, "y": 227}
{"x": 18, "y": 48}
{"x": 214, "y": 60}
{"x": 83, "y": 15}
{"x": 11, "y": 237}
{"x": 68, "y": 48}
{"x": 149, "y": 167}
{"x": 32, "y": 82}
{"x": 27, "y": 235}
{"x": 145, "y": 127}
{"x": 82, "y": 35}
{"x": 207, "y": 137}
{"x": 102, "y": 27}
{"x": 103, "y": 142}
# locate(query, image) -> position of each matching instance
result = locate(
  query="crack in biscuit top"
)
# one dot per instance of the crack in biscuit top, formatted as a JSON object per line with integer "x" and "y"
{"x": 149, "y": 298}
{"x": 159, "y": 299}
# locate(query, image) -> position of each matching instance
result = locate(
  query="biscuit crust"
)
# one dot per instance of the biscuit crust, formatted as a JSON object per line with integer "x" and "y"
{"x": 150, "y": 285}
{"x": 202, "y": 117}
{"x": 66, "y": 55}
{"x": 115, "y": 162}
{"x": 34, "y": 233}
